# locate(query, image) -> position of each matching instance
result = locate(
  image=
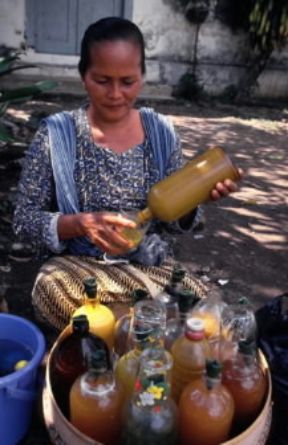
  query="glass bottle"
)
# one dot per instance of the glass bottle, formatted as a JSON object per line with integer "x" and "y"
{"x": 96, "y": 402}
{"x": 176, "y": 326}
{"x": 206, "y": 409}
{"x": 101, "y": 318}
{"x": 189, "y": 353}
{"x": 170, "y": 294}
{"x": 70, "y": 359}
{"x": 246, "y": 381}
{"x": 135, "y": 235}
{"x": 123, "y": 343}
{"x": 151, "y": 417}
{"x": 147, "y": 328}
{"x": 179, "y": 193}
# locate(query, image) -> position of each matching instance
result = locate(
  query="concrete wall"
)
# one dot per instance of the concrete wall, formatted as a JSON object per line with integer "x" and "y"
{"x": 171, "y": 49}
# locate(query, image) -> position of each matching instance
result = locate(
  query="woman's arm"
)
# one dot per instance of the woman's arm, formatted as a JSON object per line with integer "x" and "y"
{"x": 36, "y": 221}
{"x": 34, "y": 216}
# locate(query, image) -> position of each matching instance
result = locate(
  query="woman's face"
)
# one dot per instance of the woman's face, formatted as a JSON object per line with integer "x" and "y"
{"x": 113, "y": 79}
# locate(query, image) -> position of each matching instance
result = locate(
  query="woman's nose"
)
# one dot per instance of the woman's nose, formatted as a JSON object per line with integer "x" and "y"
{"x": 115, "y": 90}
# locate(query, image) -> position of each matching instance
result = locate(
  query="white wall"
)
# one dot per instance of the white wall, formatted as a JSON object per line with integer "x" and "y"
{"x": 170, "y": 42}
{"x": 12, "y": 23}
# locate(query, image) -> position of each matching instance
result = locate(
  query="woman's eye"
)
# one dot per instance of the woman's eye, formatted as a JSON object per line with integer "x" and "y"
{"x": 128, "y": 82}
{"x": 100, "y": 81}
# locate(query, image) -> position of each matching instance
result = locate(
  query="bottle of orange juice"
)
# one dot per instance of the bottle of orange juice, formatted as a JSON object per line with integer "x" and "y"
{"x": 247, "y": 383}
{"x": 206, "y": 409}
{"x": 96, "y": 402}
{"x": 189, "y": 353}
{"x": 179, "y": 193}
{"x": 101, "y": 319}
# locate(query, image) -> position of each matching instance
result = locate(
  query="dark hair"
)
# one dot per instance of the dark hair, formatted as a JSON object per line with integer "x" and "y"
{"x": 109, "y": 29}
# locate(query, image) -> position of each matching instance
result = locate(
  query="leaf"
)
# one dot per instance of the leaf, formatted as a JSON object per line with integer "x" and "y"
{"x": 6, "y": 64}
{"x": 27, "y": 92}
{"x": 5, "y": 136}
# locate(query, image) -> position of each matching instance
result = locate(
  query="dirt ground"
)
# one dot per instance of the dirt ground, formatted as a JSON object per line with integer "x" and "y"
{"x": 242, "y": 249}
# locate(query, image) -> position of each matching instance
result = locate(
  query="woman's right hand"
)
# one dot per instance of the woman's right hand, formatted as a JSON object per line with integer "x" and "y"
{"x": 104, "y": 230}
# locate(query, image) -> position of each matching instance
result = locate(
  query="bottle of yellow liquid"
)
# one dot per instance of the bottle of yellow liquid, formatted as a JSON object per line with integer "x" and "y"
{"x": 101, "y": 319}
{"x": 181, "y": 192}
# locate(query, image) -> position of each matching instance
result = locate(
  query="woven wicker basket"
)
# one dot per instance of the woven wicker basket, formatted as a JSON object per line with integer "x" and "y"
{"x": 62, "y": 432}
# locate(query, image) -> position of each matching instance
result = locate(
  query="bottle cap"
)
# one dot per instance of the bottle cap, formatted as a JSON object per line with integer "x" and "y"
{"x": 194, "y": 329}
{"x": 213, "y": 368}
{"x": 90, "y": 286}
{"x": 80, "y": 324}
{"x": 247, "y": 347}
{"x": 186, "y": 300}
{"x": 178, "y": 274}
{"x": 139, "y": 295}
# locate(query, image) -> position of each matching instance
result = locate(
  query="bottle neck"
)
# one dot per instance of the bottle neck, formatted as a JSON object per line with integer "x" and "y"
{"x": 144, "y": 216}
{"x": 97, "y": 382}
{"x": 212, "y": 382}
{"x": 91, "y": 301}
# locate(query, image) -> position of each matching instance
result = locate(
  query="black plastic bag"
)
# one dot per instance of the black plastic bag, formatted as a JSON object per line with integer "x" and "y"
{"x": 272, "y": 322}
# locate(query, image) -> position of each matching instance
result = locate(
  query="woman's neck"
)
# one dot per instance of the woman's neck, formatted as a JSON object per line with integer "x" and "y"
{"x": 119, "y": 135}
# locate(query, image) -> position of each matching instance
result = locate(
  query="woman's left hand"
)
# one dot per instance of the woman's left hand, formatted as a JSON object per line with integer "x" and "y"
{"x": 224, "y": 188}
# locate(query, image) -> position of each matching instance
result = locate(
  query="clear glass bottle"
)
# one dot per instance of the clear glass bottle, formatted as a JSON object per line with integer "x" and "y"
{"x": 170, "y": 294}
{"x": 246, "y": 381}
{"x": 176, "y": 326}
{"x": 206, "y": 409}
{"x": 70, "y": 359}
{"x": 123, "y": 343}
{"x": 190, "y": 352}
{"x": 147, "y": 328}
{"x": 151, "y": 417}
{"x": 101, "y": 318}
{"x": 96, "y": 402}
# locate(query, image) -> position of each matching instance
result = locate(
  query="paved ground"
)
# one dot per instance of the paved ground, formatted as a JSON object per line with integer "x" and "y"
{"x": 244, "y": 241}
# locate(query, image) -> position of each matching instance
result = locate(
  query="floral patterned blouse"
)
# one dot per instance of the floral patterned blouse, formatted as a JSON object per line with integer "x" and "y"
{"x": 105, "y": 181}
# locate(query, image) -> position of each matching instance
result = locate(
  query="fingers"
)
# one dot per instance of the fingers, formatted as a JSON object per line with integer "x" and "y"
{"x": 224, "y": 188}
{"x": 118, "y": 220}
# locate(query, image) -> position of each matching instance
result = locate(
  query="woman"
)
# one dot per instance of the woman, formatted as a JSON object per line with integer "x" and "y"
{"x": 84, "y": 167}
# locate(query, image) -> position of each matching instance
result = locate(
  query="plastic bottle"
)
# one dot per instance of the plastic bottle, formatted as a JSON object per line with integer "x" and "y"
{"x": 96, "y": 402}
{"x": 189, "y": 353}
{"x": 70, "y": 359}
{"x": 123, "y": 343}
{"x": 151, "y": 417}
{"x": 101, "y": 318}
{"x": 206, "y": 409}
{"x": 247, "y": 383}
{"x": 179, "y": 193}
{"x": 147, "y": 328}
{"x": 238, "y": 324}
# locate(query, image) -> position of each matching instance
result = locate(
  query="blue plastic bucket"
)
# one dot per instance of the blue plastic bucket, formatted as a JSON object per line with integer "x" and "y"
{"x": 18, "y": 390}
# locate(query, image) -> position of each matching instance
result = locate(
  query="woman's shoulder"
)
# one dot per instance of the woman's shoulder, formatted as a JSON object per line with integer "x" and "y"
{"x": 154, "y": 121}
